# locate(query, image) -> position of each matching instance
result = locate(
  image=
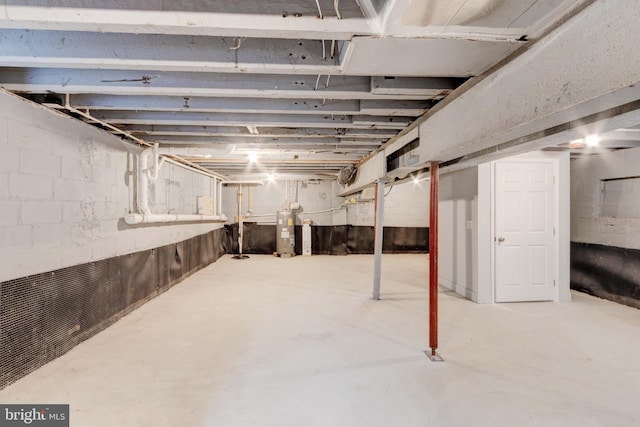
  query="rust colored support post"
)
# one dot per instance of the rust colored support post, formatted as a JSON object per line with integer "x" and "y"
{"x": 433, "y": 263}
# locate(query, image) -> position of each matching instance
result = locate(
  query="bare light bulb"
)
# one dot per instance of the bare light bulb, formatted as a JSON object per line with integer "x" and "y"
{"x": 592, "y": 140}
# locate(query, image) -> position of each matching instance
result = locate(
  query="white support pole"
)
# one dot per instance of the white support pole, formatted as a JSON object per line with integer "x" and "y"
{"x": 219, "y": 198}
{"x": 378, "y": 233}
{"x": 214, "y": 196}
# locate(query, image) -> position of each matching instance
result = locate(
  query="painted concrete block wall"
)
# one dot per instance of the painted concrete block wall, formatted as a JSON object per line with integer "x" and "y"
{"x": 590, "y": 223}
{"x": 269, "y": 198}
{"x": 406, "y": 205}
{"x": 457, "y": 235}
{"x": 64, "y": 187}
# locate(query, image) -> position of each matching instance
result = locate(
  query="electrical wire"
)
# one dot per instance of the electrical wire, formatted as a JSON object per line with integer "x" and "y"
{"x": 319, "y": 10}
{"x": 336, "y": 6}
{"x": 239, "y": 41}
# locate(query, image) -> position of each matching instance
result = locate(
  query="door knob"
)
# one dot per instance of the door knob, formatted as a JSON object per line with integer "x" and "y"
{"x": 500, "y": 239}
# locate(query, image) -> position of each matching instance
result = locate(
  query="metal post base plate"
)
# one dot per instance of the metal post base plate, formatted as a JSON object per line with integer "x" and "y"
{"x": 433, "y": 357}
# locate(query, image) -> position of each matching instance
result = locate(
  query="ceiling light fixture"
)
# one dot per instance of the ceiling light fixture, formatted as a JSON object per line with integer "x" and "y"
{"x": 592, "y": 140}
{"x": 253, "y": 157}
{"x": 271, "y": 177}
{"x": 576, "y": 143}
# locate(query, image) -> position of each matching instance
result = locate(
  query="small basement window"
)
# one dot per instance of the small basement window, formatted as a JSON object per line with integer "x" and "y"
{"x": 393, "y": 159}
{"x": 620, "y": 197}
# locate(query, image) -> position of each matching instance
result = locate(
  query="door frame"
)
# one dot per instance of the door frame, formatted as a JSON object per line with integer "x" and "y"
{"x": 554, "y": 213}
{"x": 486, "y": 221}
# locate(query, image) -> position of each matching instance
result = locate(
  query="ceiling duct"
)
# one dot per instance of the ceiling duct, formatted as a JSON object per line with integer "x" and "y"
{"x": 347, "y": 174}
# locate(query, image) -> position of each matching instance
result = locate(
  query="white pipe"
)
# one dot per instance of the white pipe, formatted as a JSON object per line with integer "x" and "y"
{"x": 192, "y": 167}
{"x": 262, "y": 215}
{"x": 160, "y": 218}
{"x": 245, "y": 182}
{"x": 239, "y": 201}
{"x": 287, "y": 202}
{"x": 144, "y": 175}
{"x": 322, "y": 211}
{"x": 157, "y": 161}
{"x": 219, "y": 213}
{"x": 183, "y": 163}
{"x": 143, "y": 182}
{"x": 197, "y": 151}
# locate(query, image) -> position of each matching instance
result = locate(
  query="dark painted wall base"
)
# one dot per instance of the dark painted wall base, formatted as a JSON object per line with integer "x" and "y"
{"x": 333, "y": 240}
{"x": 607, "y": 272}
{"x": 45, "y": 315}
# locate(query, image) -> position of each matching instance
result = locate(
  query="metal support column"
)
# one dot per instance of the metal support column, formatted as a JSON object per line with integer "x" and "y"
{"x": 378, "y": 233}
{"x": 214, "y": 196}
{"x": 433, "y": 264}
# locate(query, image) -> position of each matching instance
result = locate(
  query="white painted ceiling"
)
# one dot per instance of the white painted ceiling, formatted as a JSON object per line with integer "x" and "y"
{"x": 311, "y": 86}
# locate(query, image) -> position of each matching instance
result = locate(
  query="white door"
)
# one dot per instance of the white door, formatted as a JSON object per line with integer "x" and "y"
{"x": 524, "y": 231}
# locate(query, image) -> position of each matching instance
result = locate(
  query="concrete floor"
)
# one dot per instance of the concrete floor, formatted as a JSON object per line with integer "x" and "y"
{"x": 299, "y": 342}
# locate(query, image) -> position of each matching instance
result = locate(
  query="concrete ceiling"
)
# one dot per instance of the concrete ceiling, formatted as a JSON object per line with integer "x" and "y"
{"x": 310, "y": 85}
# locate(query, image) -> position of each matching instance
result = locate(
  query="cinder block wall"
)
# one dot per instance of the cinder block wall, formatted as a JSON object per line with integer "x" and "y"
{"x": 69, "y": 265}
{"x": 341, "y": 225}
{"x": 406, "y": 205}
{"x": 605, "y": 225}
{"x": 269, "y": 198}
{"x": 65, "y": 187}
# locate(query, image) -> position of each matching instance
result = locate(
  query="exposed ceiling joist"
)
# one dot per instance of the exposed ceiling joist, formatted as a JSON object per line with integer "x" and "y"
{"x": 221, "y": 18}
{"x": 274, "y": 132}
{"x": 265, "y": 141}
{"x": 159, "y": 52}
{"x": 115, "y": 82}
{"x": 334, "y": 80}
{"x": 260, "y": 120}
{"x": 240, "y": 105}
